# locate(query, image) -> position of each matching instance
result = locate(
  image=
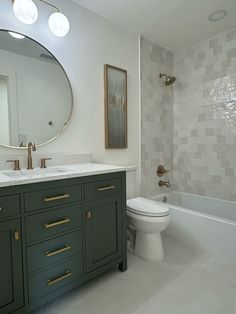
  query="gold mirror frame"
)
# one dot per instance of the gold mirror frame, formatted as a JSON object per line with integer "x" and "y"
{"x": 72, "y": 98}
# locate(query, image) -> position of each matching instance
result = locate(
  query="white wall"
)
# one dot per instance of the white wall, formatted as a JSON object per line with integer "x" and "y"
{"x": 4, "y": 117}
{"x": 91, "y": 43}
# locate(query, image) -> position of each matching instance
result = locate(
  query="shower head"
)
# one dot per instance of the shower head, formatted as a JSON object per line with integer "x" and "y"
{"x": 169, "y": 79}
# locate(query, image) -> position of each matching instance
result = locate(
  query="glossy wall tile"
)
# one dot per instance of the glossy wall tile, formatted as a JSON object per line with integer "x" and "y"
{"x": 156, "y": 115}
{"x": 204, "y": 150}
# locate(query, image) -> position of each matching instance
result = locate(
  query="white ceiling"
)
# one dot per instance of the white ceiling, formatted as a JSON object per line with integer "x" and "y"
{"x": 174, "y": 24}
{"x": 26, "y": 47}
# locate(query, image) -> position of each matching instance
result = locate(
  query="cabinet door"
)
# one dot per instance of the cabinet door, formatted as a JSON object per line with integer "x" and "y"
{"x": 11, "y": 282}
{"x": 103, "y": 231}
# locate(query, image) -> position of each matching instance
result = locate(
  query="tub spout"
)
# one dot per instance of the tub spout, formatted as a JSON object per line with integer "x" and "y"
{"x": 164, "y": 183}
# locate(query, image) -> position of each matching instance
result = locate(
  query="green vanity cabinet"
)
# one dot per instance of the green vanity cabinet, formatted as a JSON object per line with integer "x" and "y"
{"x": 103, "y": 231}
{"x": 56, "y": 235}
{"x": 11, "y": 273}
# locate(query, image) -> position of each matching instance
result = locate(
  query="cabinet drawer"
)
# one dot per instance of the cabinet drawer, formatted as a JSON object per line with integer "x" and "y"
{"x": 52, "y": 197}
{"x": 100, "y": 188}
{"x": 53, "y": 222}
{"x": 53, "y": 251}
{"x": 9, "y": 205}
{"x": 54, "y": 278}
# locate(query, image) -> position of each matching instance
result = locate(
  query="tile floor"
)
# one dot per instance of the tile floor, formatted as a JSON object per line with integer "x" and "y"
{"x": 186, "y": 282}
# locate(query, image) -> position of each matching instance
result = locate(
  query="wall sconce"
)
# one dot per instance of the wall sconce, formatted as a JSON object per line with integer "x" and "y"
{"x": 27, "y": 12}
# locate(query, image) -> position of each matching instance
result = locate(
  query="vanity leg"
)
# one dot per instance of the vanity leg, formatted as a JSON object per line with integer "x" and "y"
{"x": 123, "y": 266}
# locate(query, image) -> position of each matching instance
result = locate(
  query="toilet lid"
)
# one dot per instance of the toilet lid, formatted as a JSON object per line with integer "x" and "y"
{"x": 147, "y": 207}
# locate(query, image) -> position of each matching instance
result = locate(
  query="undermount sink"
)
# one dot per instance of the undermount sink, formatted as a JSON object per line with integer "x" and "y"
{"x": 34, "y": 172}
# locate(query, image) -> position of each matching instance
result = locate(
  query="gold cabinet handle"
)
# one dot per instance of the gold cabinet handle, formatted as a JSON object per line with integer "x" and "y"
{"x": 53, "y": 253}
{"x": 56, "y": 198}
{"x": 58, "y": 279}
{"x": 105, "y": 188}
{"x": 17, "y": 235}
{"x": 89, "y": 214}
{"x": 57, "y": 223}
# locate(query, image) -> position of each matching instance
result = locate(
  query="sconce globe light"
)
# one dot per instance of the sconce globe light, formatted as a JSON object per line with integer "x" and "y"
{"x": 16, "y": 35}
{"x": 25, "y": 11}
{"x": 59, "y": 24}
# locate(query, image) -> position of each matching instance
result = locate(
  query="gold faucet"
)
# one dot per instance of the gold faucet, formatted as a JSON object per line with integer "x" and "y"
{"x": 164, "y": 183}
{"x": 31, "y": 147}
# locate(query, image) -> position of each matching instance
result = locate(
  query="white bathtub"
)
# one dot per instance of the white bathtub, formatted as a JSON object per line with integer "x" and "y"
{"x": 204, "y": 223}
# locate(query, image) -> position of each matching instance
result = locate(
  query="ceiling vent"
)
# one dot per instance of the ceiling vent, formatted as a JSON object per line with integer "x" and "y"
{"x": 48, "y": 58}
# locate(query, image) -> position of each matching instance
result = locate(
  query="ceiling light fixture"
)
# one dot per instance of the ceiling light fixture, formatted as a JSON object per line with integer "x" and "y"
{"x": 217, "y": 15}
{"x": 16, "y": 35}
{"x": 59, "y": 24}
{"x": 27, "y": 12}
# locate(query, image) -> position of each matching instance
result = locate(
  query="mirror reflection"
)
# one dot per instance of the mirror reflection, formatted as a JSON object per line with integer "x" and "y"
{"x": 35, "y": 94}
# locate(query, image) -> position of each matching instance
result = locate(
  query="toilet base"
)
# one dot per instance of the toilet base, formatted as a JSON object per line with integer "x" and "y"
{"x": 149, "y": 246}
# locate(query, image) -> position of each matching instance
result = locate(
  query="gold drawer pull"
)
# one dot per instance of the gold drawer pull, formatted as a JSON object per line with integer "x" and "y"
{"x": 56, "y": 280}
{"x": 56, "y": 198}
{"x": 89, "y": 214}
{"x": 57, "y": 223}
{"x": 106, "y": 188}
{"x": 64, "y": 249}
{"x": 17, "y": 235}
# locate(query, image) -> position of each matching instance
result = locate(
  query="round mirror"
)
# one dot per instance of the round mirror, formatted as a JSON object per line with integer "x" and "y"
{"x": 35, "y": 93}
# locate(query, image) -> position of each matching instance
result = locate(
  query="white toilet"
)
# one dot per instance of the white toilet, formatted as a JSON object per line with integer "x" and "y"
{"x": 148, "y": 218}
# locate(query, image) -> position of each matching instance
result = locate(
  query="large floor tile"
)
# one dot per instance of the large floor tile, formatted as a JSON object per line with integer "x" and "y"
{"x": 186, "y": 282}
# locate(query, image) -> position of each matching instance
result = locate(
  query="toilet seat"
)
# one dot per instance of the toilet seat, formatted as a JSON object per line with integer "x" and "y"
{"x": 146, "y": 207}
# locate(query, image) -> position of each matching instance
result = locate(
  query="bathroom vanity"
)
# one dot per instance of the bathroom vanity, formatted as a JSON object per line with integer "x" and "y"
{"x": 59, "y": 233}
{"x": 59, "y": 226}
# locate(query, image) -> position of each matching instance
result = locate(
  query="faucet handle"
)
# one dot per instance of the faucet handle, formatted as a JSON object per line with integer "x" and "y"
{"x": 43, "y": 162}
{"x": 16, "y": 164}
{"x": 161, "y": 171}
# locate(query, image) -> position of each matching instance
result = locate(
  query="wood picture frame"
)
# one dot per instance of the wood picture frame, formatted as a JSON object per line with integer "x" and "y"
{"x": 115, "y": 85}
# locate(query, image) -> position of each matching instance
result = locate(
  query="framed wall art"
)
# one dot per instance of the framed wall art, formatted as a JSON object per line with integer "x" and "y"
{"x": 115, "y": 80}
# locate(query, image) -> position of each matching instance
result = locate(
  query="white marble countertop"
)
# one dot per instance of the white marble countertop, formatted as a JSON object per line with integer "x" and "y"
{"x": 12, "y": 178}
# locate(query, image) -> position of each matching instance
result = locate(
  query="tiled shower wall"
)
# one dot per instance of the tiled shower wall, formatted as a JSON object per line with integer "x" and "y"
{"x": 203, "y": 115}
{"x": 156, "y": 115}
{"x": 204, "y": 150}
